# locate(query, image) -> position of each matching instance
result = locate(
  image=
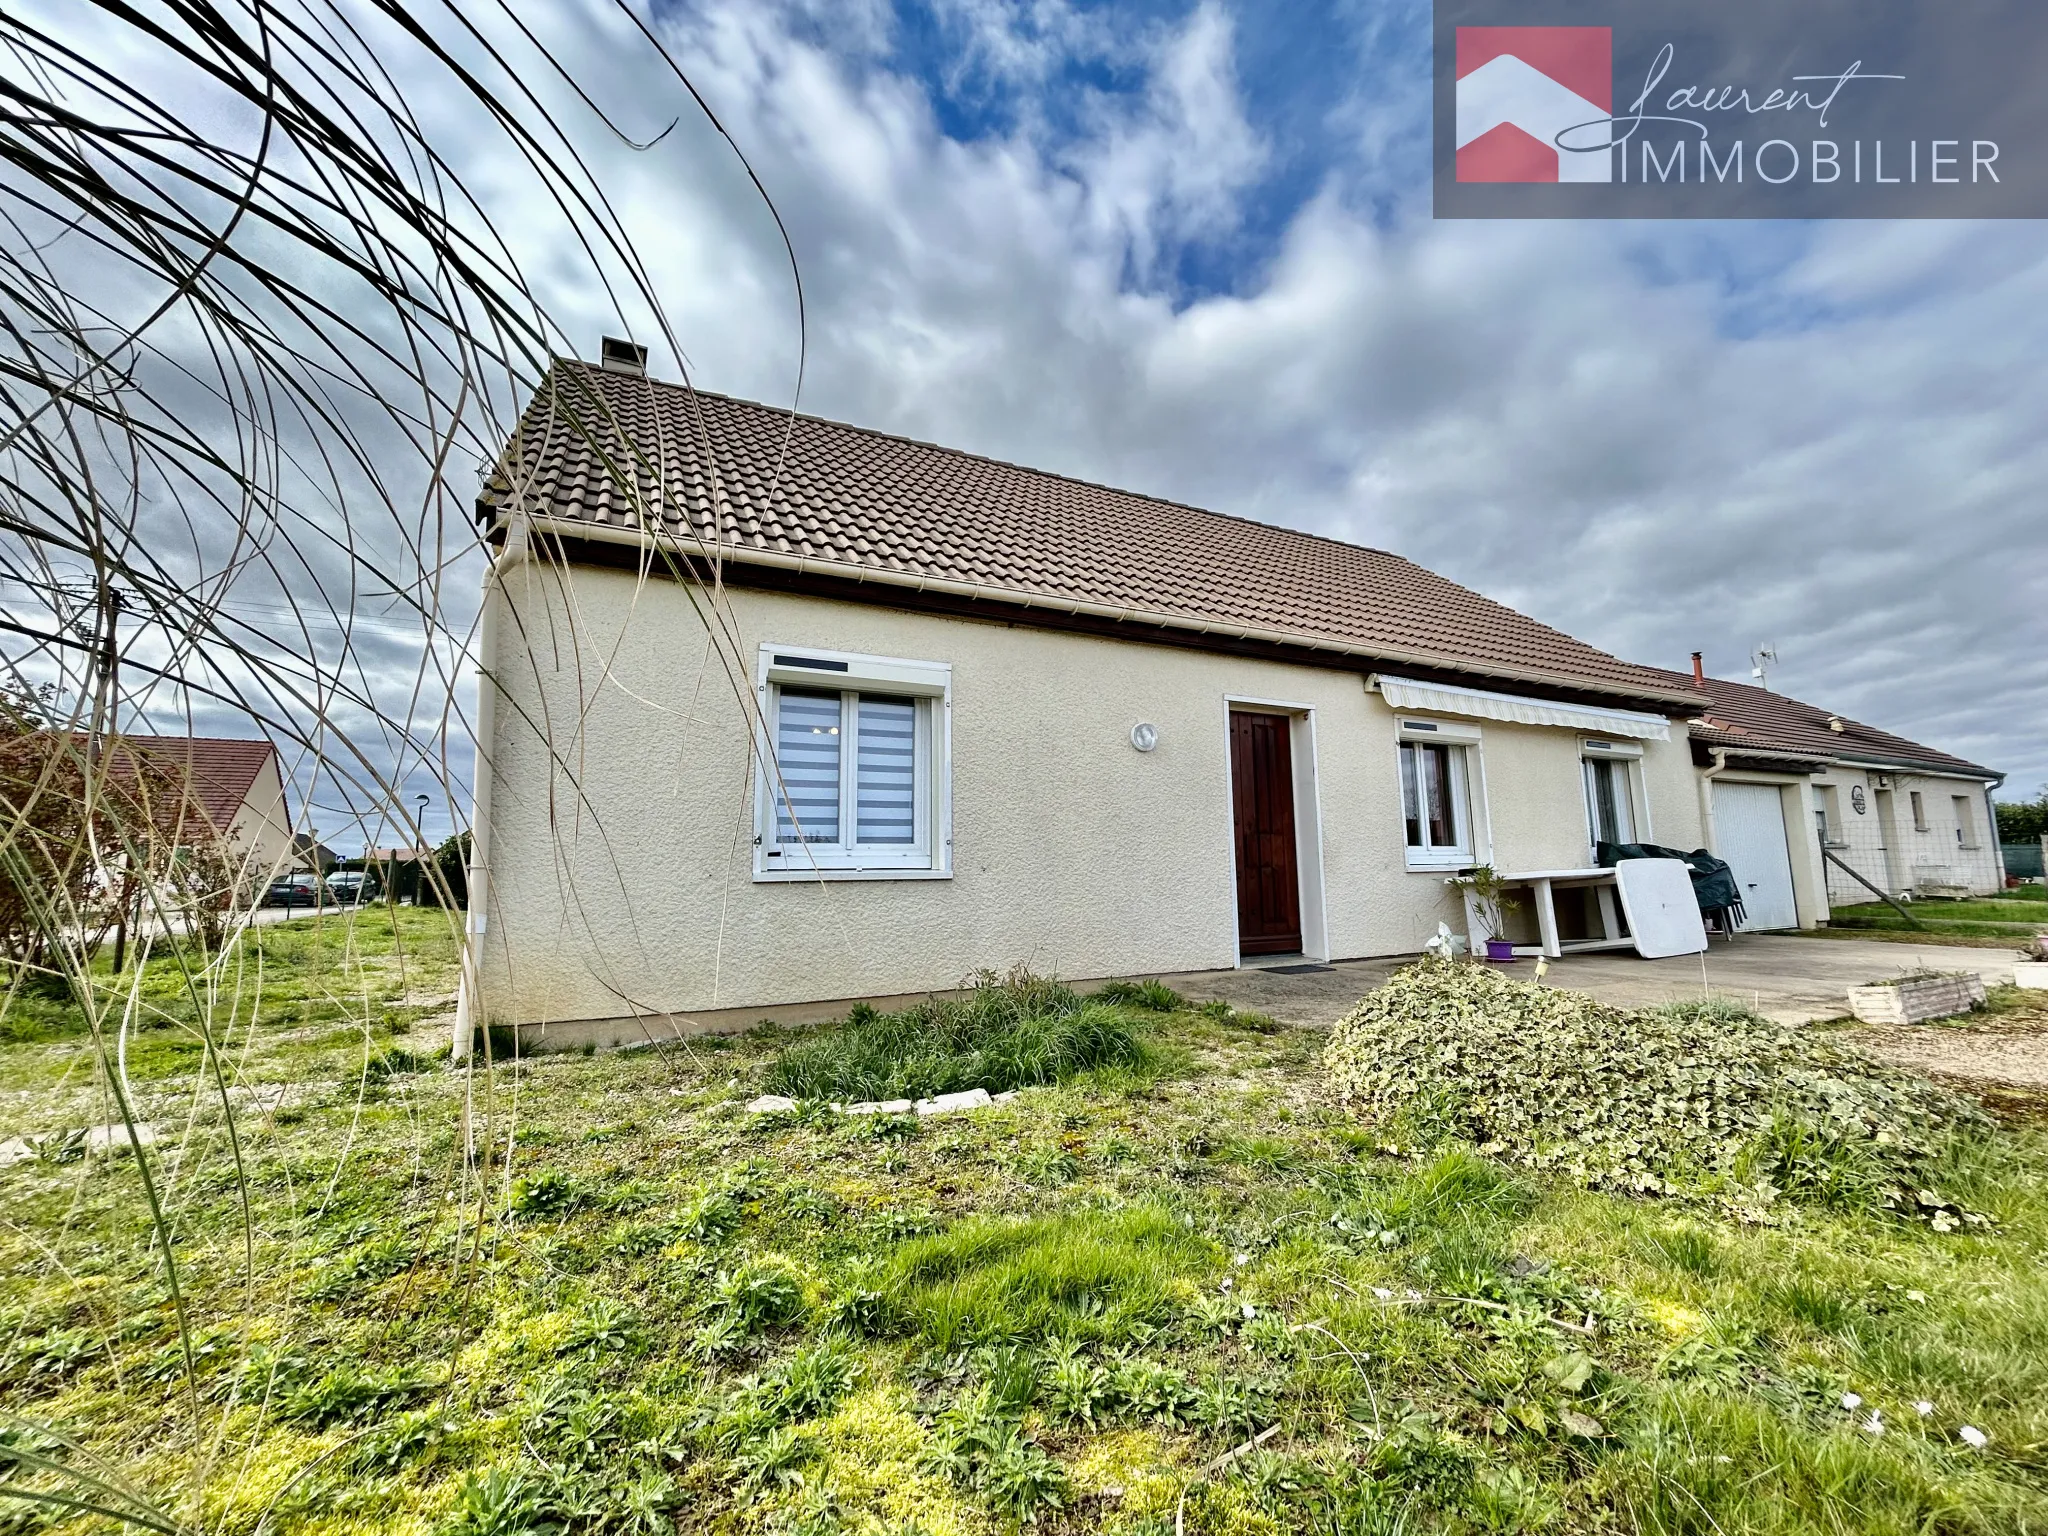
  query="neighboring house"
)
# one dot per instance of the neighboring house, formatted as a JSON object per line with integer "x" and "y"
{"x": 898, "y": 714}
{"x": 1782, "y": 781}
{"x": 226, "y": 793}
{"x": 310, "y": 854}
{"x": 233, "y": 790}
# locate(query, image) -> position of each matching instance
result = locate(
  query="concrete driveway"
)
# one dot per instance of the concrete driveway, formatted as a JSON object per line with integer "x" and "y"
{"x": 1791, "y": 980}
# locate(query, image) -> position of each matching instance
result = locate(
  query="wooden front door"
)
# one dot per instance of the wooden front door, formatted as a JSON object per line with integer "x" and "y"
{"x": 1262, "y": 795}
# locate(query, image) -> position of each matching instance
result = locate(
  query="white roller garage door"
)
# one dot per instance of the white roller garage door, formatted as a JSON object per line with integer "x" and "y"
{"x": 1749, "y": 832}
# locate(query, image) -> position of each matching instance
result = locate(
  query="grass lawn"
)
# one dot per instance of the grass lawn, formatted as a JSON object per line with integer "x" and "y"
{"x": 2009, "y": 920}
{"x": 640, "y": 1309}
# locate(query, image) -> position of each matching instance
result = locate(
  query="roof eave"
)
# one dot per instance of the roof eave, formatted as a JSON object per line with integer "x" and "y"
{"x": 1959, "y": 770}
{"x": 568, "y": 528}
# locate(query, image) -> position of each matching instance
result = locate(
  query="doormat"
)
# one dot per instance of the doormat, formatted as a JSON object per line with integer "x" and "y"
{"x": 1295, "y": 970}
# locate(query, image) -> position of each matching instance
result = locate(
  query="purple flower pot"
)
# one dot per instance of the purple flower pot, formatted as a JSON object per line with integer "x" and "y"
{"x": 1500, "y": 949}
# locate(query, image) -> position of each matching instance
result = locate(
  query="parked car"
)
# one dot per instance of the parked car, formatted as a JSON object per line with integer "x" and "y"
{"x": 351, "y": 887}
{"x": 299, "y": 890}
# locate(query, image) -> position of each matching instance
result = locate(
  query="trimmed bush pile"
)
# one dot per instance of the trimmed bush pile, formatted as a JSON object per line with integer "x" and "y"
{"x": 1643, "y": 1101}
{"x": 1007, "y": 1033}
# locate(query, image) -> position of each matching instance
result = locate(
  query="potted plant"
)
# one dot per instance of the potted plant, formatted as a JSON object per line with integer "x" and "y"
{"x": 1490, "y": 901}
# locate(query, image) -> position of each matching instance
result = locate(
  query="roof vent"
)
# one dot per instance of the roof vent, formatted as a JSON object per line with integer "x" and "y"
{"x": 1835, "y": 723}
{"x": 621, "y": 356}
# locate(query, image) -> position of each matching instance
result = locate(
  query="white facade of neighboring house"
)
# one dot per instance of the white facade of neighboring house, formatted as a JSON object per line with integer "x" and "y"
{"x": 1907, "y": 832}
{"x": 1776, "y": 772}
{"x": 863, "y": 717}
{"x": 261, "y": 830}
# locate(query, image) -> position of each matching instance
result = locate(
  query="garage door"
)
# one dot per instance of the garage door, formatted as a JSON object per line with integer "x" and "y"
{"x": 1749, "y": 832}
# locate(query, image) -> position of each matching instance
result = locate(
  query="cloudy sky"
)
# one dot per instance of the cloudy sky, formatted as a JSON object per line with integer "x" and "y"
{"x": 1187, "y": 248}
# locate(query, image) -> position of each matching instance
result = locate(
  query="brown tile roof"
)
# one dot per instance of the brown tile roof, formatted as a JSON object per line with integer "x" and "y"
{"x": 216, "y": 771}
{"x": 1743, "y": 717}
{"x": 842, "y": 500}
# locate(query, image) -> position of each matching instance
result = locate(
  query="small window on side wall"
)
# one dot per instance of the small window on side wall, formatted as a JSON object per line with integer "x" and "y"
{"x": 1827, "y": 816}
{"x": 1966, "y": 825}
{"x": 855, "y": 775}
{"x": 1436, "y": 798}
{"x": 1919, "y": 810}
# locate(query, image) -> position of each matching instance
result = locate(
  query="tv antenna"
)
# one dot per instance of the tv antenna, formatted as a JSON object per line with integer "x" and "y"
{"x": 1761, "y": 660}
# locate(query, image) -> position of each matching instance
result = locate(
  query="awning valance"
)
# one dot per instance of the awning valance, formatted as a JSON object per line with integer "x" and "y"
{"x": 1447, "y": 699}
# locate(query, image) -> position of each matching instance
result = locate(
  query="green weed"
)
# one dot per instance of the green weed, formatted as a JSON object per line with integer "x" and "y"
{"x": 1156, "y": 996}
{"x": 760, "y": 1295}
{"x": 1090, "y": 1274}
{"x": 545, "y": 1196}
{"x": 1007, "y": 1034}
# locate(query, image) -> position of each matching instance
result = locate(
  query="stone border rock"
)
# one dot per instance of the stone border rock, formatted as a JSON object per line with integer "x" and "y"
{"x": 1917, "y": 999}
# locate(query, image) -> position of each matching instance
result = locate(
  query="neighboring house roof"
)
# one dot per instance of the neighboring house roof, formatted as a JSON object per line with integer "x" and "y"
{"x": 829, "y": 499}
{"x": 1757, "y": 721}
{"x": 305, "y": 845}
{"x": 217, "y": 771}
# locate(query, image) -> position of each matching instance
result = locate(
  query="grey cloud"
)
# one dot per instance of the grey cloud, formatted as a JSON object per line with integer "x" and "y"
{"x": 1658, "y": 438}
{"x": 1586, "y": 420}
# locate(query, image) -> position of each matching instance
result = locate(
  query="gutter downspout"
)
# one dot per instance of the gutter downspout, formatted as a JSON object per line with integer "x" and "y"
{"x": 1997, "y": 843}
{"x": 1707, "y": 777}
{"x": 468, "y": 997}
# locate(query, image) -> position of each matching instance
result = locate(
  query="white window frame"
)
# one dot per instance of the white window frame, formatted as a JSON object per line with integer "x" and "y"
{"x": 1626, "y": 756}
{"x": 1468, "y": 782}
{"x": 810, "y": 669}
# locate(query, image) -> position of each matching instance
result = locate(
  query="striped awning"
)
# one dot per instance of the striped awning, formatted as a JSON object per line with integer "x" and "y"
{"x": 1447, "y": 699}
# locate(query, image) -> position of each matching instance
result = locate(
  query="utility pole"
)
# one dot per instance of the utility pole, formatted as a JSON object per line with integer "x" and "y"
{"x": 105, "y": 725}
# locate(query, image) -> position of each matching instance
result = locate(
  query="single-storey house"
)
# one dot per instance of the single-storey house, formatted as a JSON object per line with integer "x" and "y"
{"x": 780, "y": 712}
{"x": 230, "y": 793}
{"x": 783, "y": 711}
{"x": 1816, "y": 810}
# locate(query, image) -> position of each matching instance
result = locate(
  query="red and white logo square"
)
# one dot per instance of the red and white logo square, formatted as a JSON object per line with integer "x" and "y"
{"x": 1519, "y": 88}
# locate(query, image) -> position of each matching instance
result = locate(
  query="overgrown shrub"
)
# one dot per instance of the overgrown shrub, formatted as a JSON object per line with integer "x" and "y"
{"x": 1551, "y": 1079}
{"x": 1007, "y": 1033}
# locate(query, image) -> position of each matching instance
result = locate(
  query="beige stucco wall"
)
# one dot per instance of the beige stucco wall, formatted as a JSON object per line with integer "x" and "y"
{"x": 621, "y": 822}
{"x": 260, "y": 836}
{"x": 1887, "y": 849}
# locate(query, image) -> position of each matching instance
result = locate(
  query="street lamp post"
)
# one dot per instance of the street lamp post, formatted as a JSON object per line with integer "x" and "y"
{"x": 419, "y": 823}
